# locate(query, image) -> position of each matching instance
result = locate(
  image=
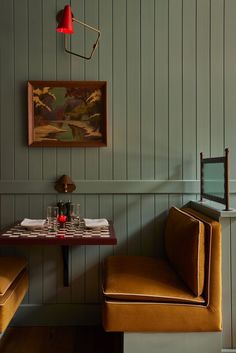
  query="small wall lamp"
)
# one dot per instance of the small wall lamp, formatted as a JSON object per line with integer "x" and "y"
{"x": 65, "y": 20}
{"x": 65, "y": 184}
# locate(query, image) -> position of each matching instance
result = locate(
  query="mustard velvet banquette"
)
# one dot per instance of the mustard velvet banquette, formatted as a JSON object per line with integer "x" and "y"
{"x": 180, "y": 293}
{"x": 13, "y": 287}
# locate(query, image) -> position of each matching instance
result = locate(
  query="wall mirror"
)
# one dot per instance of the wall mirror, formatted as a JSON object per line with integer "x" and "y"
{"x": 215, "y": 178}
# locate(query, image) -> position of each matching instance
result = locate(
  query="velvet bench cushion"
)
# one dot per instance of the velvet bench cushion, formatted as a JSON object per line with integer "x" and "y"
{"x": 145, "y": 294}
{"x": 13, "y": 286}
{"x": 145, "y": 279}
{"x": 185, "y": 248}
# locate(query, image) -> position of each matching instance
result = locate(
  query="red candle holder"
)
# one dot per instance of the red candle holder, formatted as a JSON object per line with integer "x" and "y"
{"x": 62, "y": 220}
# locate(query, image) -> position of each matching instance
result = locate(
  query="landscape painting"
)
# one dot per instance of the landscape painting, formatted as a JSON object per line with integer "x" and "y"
{"x": 67, "y": 113}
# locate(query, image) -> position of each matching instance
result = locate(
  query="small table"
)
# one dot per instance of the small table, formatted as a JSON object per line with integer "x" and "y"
{"x": 17, "y": 235}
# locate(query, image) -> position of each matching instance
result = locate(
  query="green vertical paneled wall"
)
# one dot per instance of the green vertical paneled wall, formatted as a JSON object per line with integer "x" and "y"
{"x": 170, "y": 66}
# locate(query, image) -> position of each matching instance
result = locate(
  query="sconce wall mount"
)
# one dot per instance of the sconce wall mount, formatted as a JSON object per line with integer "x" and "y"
{"x": 65, "y": 21}
{"x": 65, "y": 184}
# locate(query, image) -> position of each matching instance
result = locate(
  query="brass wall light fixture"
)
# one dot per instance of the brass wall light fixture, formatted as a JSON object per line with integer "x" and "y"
{"x": 65, "y": 184}
{"x": 65, "y": 21}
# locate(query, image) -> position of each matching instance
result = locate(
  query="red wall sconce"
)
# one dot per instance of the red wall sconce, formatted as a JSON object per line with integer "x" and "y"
{"x": 65, "y": 21}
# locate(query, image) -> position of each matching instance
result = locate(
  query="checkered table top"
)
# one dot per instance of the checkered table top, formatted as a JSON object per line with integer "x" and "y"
{"x": 78, "y": 234}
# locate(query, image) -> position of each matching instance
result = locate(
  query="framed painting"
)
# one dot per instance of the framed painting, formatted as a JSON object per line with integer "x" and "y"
{"x": 67, "y": 113}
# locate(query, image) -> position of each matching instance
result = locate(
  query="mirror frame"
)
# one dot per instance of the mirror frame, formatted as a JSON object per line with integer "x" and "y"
{"x": 225, "y": 160}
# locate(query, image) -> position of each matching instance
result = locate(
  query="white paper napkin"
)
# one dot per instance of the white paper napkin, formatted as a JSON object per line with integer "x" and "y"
{"x": 33, "y": 223}
{"x": 95, "y": 223}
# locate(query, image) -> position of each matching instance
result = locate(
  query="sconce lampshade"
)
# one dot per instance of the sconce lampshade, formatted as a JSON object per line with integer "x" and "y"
{"x": 65, "y": 184}
{"x": 66, "y": 21}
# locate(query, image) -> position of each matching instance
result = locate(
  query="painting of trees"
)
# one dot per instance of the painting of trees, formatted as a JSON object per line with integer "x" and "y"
{"x": 68, "y": 113}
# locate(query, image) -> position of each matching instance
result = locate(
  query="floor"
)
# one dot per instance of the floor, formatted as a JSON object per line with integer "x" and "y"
{"x": 82, "y": 339}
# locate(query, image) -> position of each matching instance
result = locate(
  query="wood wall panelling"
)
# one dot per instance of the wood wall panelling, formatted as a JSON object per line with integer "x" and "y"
{"x": 148, "y": 232}
{"x": 91, "y": 73}
{"x": 161, "y": 89}
{"x": 78, "y": 41}
{"x": 21, "y": 51}
{"x": 133, "y": 89}
{"x": 106, "y": 74}
{"x": 161, "y": 211}
{"x": 175, "y": 90}
{"x": 120, "y": 223}
{"x": 134, "y": 224}
{"x": 7, "y": 91}
{"x": 7, "y": 213}
{"x": 175, "y": 200}
{"x": 203, "y": 78}
{"x": 35, "y": 72}
{"x": 217, "y": 138}
{"x": 7, "y": 210}
{"x": 119, "y": 90}
{"x": 147, "y": 89}
{"x": 230, "y": 81}
{"x": 190, "y": 156}
{"x": 49, "y": 66}
{"x": 78, "y": 74}
{"x": 169, "y": 67}
{"x": 106, "y": 187}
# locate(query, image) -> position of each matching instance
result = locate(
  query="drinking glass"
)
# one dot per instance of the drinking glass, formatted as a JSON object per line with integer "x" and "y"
{"x": 75, "y": 214}
{"x": 52, "y": 215}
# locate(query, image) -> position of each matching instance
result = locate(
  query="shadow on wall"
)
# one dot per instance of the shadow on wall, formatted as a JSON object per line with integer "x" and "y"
{"x": 149, "y": 239}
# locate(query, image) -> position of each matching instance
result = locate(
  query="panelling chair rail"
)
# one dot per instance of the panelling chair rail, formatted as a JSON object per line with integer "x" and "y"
{"x": 13, "y": 287}
{"x": 165, "y": 305}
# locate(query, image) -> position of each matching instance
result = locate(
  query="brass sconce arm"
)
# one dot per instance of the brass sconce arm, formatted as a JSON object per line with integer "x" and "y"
{"x": 94, "y": 45}
{"x": 65, "y": 19}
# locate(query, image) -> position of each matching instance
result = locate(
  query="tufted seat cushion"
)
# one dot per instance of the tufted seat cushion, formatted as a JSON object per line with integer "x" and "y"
{"x": 145, "y": 279}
